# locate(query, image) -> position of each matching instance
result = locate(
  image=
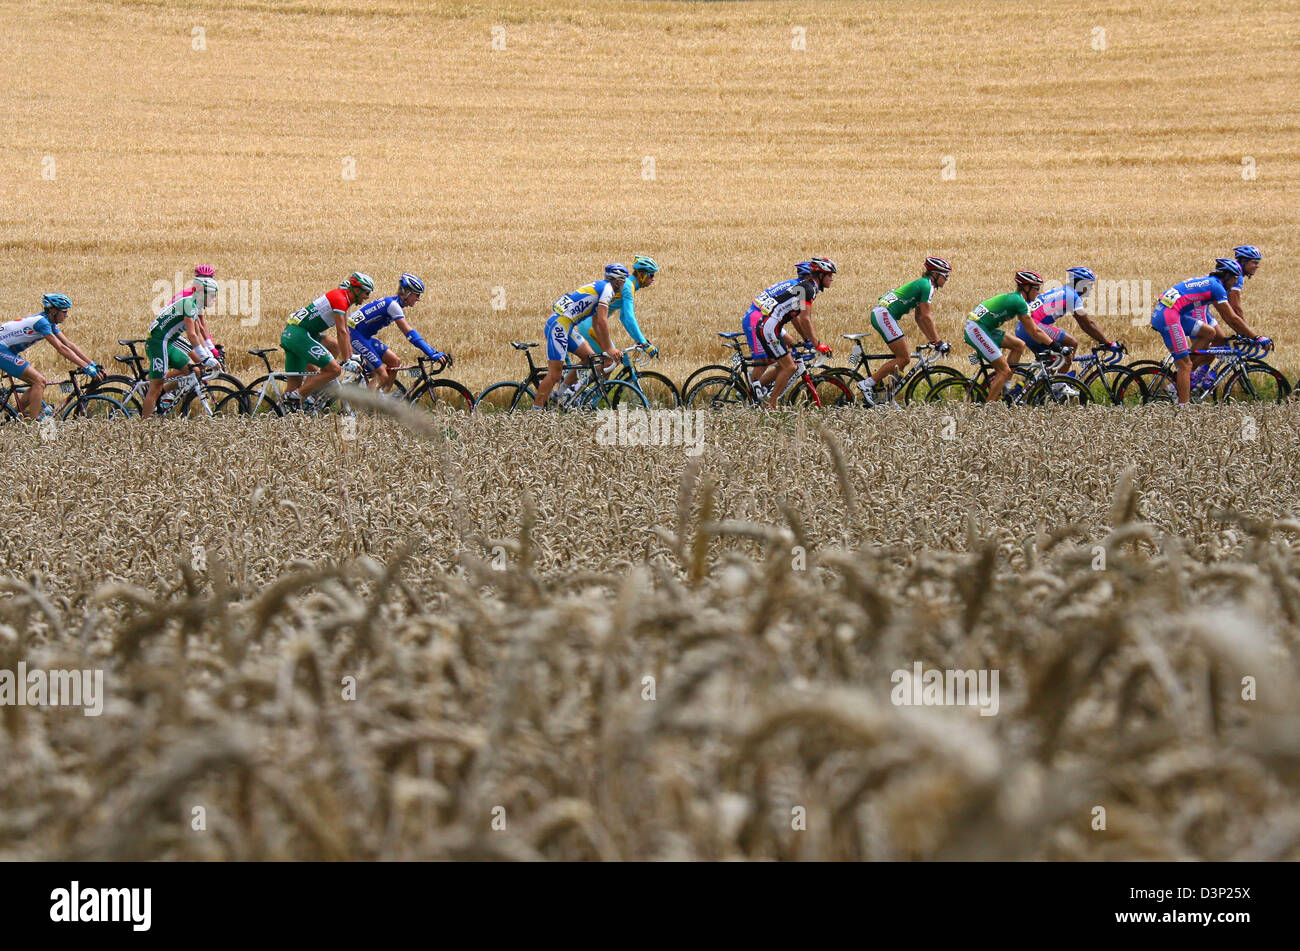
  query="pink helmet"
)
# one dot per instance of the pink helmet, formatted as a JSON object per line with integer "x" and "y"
{"x": 204, "y": 270}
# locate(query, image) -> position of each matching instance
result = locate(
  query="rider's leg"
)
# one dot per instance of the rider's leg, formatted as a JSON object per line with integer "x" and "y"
{"x": 31, "y": 406}
{"x": 386, "y": 373}
{"x": 785, "y": 369}
{"x": 902, "y": 357}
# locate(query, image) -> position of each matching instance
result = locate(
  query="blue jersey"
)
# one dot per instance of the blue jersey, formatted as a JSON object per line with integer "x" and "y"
{"x": 1193, "y": 294}
{"x": 374, "y": 316}
{"x": 1059, "y": 301}
{"x": 622, "y": 306}
{"x": 17, "y": 335}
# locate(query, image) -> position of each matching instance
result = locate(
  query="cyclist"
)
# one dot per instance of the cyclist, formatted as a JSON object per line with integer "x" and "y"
{"x": 623, "y": 306}
{"x": 366, "y": 322}
{"x": 303, "y": 344}
{"x": 1175, "y": 317}
{"x": 567, "y": 312}
{"x": 1248, "y": 257}
{"x": 176, "y": 322}
{"x": 1052, "y": 305}
{"x": 17, "y": 335}
{"x": 783, "y": 303}
{"x": 890, "y": 309}
{"x": 749, "y": 324}
{"x": 983, "y": 334}
{"x": 202, "y": 270}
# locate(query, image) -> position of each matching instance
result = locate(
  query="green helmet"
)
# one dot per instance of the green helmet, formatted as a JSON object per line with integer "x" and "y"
{"x": 358, "y": 281}
{"x": 643, "y": 263}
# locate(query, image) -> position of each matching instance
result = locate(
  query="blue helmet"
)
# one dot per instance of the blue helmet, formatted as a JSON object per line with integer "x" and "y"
{"x": 1227, "y": 266}
{"x": 55, "y": 302}
{"x": 1247, "y": 252}
{"x": 409, "y": 282}
{"x": 1081, "y": 274}
{"x": 803, "y": 269}
{"x": 615, "y": 271}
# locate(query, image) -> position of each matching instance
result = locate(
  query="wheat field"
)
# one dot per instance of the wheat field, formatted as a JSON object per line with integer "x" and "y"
{"x": 624, "y": 653}
{"x": 306, "y": 140}
{"x": 425, "y": 636}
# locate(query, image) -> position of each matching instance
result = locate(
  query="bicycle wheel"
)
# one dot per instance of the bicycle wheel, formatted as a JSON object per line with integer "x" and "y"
{"x": 93, "y": 406}
{"x": 505, "y": 397}
{"x": 718, "y": 392}
{"x": 611, "y": 393}
{"x": 956, "y": 389}
{"x": 711, "y": 370}
{"x": 442, "y": 396}
{"x": 1058, "y": 390}
{"x": 831, "y": 392}
{"x": 1252, "y": 382}
{"x": 1116, "y": 385}
{"x": 211, "y": 399}
{"x": 660, "y": 392}
{"x": 1154, "y": 383}
{"x": 919, "y": 390}
{"x": 260, "y": 397}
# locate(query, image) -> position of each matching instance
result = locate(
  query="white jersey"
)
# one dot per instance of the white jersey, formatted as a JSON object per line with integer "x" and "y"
{"x": 18, "y": 335}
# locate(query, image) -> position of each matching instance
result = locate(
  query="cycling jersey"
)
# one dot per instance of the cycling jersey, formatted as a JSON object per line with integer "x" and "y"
{"x": 1184, "y": 298}
{"x": 783, "y": 300}
{"x": 370, "y": 318}
{"x": 903, "y": 299}
{"x": 982, "y": 330}
{"x": 575, "y": 305}
{"x": 624, "y": 308}
{"x": 1056, "y": 303}
{"x": 996, "y": 311}
{"x": 318, "y": 316}
{"x": 17, "y": 335}
{"x": 170, "y": 322}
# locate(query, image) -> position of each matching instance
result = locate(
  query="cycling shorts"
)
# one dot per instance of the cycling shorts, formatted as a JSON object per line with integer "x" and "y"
{"x": 11, "y": 363}
{"x": 1176, "y": 330}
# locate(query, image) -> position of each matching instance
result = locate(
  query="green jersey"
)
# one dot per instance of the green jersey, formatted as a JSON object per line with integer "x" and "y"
{"x": 996, "y": 311}
{"x": 899, "y": 301}
{"x": 171, "y": 322}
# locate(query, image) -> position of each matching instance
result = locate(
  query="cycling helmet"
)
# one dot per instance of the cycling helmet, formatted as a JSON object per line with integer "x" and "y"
{"x": 55, "y": 302}
{"x": 614, "y": 271}
{"x": 1248, "y": 252}
{"x": 1227, "y": 266}
{"x": 409, "y": 282}
{"x": 1028, "y": 279}
{"x": 204, "y": 270}
{"x": 937, "y": 266}
{"x": 803, "y": 269}
{"x": 643, "y": 263}
{"x": 822, "y": 266}
{"x": 1081, "y": 279}
{"x": 358, "y": 281}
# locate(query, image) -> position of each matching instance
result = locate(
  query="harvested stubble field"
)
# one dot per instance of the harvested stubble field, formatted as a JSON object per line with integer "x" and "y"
{"x": 305, "y": 140}
{"x": 501, "y": 588}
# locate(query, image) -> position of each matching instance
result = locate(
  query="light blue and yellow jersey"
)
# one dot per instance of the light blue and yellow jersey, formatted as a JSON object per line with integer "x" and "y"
{"x": 622, "y": 306}
{"x": 575, "y": 305}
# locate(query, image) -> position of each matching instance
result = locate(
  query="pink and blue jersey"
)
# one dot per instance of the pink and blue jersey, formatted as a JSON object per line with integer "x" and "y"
{"x": 1049, "y": 307}
{"x": 1175, "y": 314}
